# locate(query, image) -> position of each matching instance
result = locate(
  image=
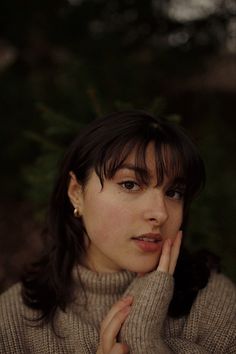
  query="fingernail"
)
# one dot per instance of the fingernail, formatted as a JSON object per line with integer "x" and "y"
{"x": 127, "y": 298}
{"x": 126, "y": 309}
{"x": 139, "y": 275}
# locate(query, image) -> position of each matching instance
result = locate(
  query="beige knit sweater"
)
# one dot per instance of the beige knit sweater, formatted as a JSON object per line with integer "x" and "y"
{"x": 209, "y": 328}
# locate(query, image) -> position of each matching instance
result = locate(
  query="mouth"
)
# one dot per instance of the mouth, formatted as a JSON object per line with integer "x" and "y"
{"x": 151, "y": 237}
{"x": 148, "y": 242}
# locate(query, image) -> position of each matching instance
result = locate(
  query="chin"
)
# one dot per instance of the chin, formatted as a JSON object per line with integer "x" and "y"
{"x": 145, "y": 267}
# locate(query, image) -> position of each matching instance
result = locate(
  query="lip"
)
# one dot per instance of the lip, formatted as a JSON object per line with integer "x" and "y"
{"x": 147, "y": 246}
{"x": 154, "y": 236}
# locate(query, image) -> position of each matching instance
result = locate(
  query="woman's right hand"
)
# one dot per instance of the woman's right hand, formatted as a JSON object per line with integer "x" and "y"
{"x": 111, "y": 326}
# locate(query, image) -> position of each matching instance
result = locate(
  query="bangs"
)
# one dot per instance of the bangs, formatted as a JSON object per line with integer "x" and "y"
{"x": 168, "y": 161}
{"x": 176, "y": 159}
{"x": 108, "y": 143}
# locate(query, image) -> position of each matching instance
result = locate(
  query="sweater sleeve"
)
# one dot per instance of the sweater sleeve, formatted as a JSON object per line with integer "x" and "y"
{"x": 210, "y": 326}
{"x": 143, "y": 328}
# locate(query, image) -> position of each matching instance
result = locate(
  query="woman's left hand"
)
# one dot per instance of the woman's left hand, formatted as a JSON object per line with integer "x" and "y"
{"x": 170, "y": 254}
{"x": 152, "y": 294}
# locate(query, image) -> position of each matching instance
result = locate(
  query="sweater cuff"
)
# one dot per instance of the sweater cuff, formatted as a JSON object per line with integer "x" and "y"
{"x": 152, "y": 295}
{"x": 151, "y": 291}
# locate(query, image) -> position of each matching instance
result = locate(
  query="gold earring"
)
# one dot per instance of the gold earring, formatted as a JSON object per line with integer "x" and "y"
{"x": 76, "y": 213}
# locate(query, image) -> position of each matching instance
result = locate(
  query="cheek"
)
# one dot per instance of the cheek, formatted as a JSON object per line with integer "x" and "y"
{"x": 104, "y": 219}
{"x": 174, "y": 222}
{"x": 179, "y": 218}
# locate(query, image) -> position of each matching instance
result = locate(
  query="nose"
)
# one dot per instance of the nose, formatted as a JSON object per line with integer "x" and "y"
{"x": 155, "y": 210}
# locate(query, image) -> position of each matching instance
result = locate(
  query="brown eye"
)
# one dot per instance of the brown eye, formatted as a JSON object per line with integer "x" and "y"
{"x": 130, "y": 185}
{"x": 175, "y": 194}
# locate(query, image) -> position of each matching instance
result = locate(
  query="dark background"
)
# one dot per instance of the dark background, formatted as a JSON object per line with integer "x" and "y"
{"x": 63, "y": 63}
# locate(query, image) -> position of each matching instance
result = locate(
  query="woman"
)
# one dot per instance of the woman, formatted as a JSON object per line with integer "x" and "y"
{"x": 115, "y": 278}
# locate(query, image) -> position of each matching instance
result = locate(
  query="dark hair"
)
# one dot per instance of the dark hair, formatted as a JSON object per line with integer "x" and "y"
{"x": 104, "y": 145}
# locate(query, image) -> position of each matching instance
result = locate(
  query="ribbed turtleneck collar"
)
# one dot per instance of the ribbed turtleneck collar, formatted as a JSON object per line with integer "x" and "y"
{"x": 105, "y": 283}
{"x": 97, "y": 292}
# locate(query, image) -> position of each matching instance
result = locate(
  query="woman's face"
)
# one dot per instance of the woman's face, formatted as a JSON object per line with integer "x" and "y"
{"x": 126, "y": 222}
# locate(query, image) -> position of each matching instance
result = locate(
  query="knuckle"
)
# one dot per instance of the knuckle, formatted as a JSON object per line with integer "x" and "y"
{"x": 119, "y": 305}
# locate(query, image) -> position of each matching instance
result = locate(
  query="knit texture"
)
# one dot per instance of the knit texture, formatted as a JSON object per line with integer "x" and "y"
{"x": 210, "y": 326}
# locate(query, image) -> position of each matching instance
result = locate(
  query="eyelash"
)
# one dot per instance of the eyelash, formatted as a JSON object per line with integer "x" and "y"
{"x": 133, "y": 183}
{"x": 180, "y": 192}
{"x": 175, "y": 190}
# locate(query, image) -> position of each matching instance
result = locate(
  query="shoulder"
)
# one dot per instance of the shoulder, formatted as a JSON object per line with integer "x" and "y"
{"x": 17, "y": 328}
{"x": 213, "y": 315}
{"x": 13, "y": 311}
{"x": 210, "y": 326}
{"x": 11, "y": 299}
{"x": 220, "y": 280}
{"x": 215, "y": 306}
{"x": 220, "y": 291}
{"x": 11, "y": 306}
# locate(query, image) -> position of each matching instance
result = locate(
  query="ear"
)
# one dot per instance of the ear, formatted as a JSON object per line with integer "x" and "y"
{"x": 75, "y": 193}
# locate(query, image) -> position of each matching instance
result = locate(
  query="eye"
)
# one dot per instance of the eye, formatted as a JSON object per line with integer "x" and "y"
{"x": 175, "y": 193}
{"x": 130, "y": 185}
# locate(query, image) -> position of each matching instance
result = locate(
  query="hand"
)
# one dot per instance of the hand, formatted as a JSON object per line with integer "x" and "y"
{"x": 170, "y": 254}
{"x": 152, "y": 295}
{"x": 111, "y": 326}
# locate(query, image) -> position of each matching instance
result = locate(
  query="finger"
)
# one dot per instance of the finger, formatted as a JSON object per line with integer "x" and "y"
{"x": 108, "y": 336}
{"x": 175, "y": 252}
{"x": 119, "y": 348}
{"x": 165, "y": 257}
{"x": 114, "y": 309}
{"x": 140, "y": 274}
